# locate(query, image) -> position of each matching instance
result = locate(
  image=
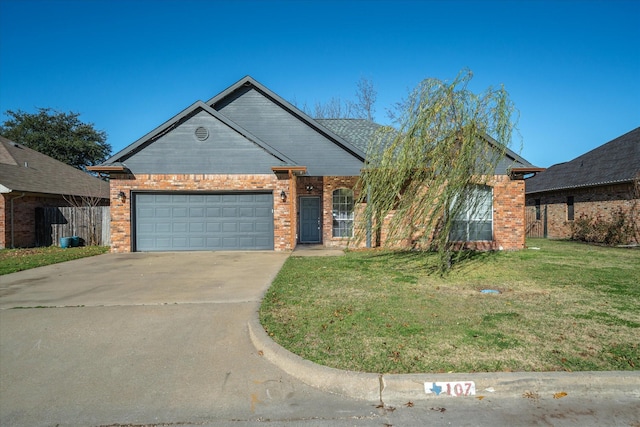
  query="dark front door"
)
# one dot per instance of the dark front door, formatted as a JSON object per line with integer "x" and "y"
{"x": 309, "y": 219}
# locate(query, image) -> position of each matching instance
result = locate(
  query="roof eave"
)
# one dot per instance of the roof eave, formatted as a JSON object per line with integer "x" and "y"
{"x": 589, "y": 185}
{"x": 519, "y": 173}
{"x": 294, "y": 170}
{"x": 107, "y": 168}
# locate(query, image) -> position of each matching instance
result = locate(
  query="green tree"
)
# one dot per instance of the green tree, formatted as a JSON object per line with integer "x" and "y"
{"x": 447, "y": 142}
{"x": 59, "y": 135}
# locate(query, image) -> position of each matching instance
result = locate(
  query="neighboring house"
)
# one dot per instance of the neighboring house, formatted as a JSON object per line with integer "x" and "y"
{"x": 248, "y": 170}
{"x": 596, "y": 184}
{"x": 30, "y": 180}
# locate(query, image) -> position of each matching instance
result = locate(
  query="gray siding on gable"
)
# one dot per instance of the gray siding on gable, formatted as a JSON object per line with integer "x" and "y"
{"x": 223, "y": 152}
{"x": 276, "y": 126}
{"x": 507, "y": 163}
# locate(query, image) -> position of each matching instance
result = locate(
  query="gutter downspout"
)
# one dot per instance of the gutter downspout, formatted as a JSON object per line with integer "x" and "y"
{"x": 12, "y": 215}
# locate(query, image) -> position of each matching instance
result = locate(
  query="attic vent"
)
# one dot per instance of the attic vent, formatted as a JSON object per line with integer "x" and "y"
{"x": 202, "y": 133}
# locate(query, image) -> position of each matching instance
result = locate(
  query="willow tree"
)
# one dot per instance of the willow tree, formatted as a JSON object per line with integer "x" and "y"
{"x": 426, "y": 172}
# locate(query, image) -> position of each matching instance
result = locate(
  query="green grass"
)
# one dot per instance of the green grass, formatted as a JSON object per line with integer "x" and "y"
{"x": 13, "y": 260}
{"x": 566, "y": 306}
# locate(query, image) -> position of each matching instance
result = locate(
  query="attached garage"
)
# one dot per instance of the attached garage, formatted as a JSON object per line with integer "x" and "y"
{"x": 203, "y": 221}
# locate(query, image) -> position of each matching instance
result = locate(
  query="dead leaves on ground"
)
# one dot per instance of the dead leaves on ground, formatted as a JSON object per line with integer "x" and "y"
{"x": 533, "y": 395}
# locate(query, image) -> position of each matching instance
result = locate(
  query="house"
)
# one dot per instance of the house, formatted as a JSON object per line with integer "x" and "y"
{"x": 30, "y": 181}
{"x": 596, "y": 184}
{"x": 248, "y": 170}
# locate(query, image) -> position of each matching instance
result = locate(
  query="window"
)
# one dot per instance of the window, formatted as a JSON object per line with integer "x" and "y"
{"x": 474, "y": 221}
{"x": 570, "y": 208}
{"x": 343, "y": 213}
{"x": 537, "y": 209}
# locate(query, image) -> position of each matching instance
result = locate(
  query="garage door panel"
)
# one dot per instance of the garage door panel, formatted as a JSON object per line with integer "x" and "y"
{"x": 179, "y": 212}
{"x": 173, "y": 222}
{"x": 246, "y": 227}
{"x": 213, "y": 243}
{"x": 262, "y": 212}
{"x": 229, "y": 227}
{"x": 262, "y": 227}
{"x": 196, "y": 242}
{"x": 214, "y": 227}
{"x": 213, "y": 199}
{"x": 196, "y": 212}
{"x": 162, "y": 243}
{"x": 196, "y": 227}
{"x": 176, "y": 227}
{"x": 214, "y": 212}
{"x": 163, "y": 227}
{"x": 246, "y": 212}
{"x": 230, "y": 212}
{"x": 162, "y": 213}
{"x": 178, "y": 242}
{"x": 146, "y": 213}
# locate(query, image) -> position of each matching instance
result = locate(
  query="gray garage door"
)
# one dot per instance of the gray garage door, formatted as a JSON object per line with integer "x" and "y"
{"x": 192, "y": 222}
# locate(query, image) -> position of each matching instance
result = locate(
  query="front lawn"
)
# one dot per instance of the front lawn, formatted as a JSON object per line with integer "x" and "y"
{"x": 561, "y": 306}
{"x": 13, "y": 260}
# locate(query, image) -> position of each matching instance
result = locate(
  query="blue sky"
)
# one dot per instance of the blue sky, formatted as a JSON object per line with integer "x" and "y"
{"x": 572, "y": 67}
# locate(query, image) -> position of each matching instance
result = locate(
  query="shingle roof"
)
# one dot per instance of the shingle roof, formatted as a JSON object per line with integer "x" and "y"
{"x": 25, "y": 170}
{"x": 357, "y": 131}
{"x": 617, "y": 161}
{"x": 360, "y": 132}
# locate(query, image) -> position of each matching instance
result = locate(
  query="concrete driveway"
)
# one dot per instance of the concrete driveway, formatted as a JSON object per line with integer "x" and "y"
{"x": 144, "y": 338}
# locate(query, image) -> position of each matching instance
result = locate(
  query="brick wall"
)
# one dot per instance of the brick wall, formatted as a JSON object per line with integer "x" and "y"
{"x": 284, "y": 213}
{"x": 595, "y": 201}
{"x": 508, "y": 220}
{"x": 508, "y": 213}
{"x": 24, "y": 219}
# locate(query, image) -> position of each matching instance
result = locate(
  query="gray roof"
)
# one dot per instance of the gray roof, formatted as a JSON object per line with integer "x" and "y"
{"x": 617, "y": 161}
{"x": 361, "y": 131}
{"x": 291, "y": 137}
{"x": 357, "y": 131}
{"x": 25, "y": 170}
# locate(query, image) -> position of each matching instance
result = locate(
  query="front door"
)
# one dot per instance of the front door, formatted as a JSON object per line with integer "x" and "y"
{"x": 309, "y": 219}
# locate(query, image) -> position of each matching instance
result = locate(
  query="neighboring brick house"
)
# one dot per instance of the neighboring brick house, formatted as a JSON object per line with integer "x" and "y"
{"x": 248, "y": 170}
{"x": 30, "y": 180}
{"x": 596, "y": 184}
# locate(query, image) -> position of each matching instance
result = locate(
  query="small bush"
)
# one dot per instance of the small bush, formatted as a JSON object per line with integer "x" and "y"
{"x": 618, "y": 230}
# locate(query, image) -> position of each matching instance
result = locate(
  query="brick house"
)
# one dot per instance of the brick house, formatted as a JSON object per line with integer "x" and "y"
{"x": 30, "y": 180}
{"x": 596, "y": 184}
{"x": 248, "y": 170}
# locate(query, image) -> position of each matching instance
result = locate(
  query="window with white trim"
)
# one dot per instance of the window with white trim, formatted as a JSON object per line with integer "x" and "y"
{"x": 343, "y": 212}
{"x": 474, "y": 221}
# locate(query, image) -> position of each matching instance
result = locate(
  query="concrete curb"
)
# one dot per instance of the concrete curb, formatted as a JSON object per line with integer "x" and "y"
{"x": 397, "y": 389}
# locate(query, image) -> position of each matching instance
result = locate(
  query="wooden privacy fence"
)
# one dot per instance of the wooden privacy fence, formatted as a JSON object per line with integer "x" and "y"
{"x": 91, "y": 224}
